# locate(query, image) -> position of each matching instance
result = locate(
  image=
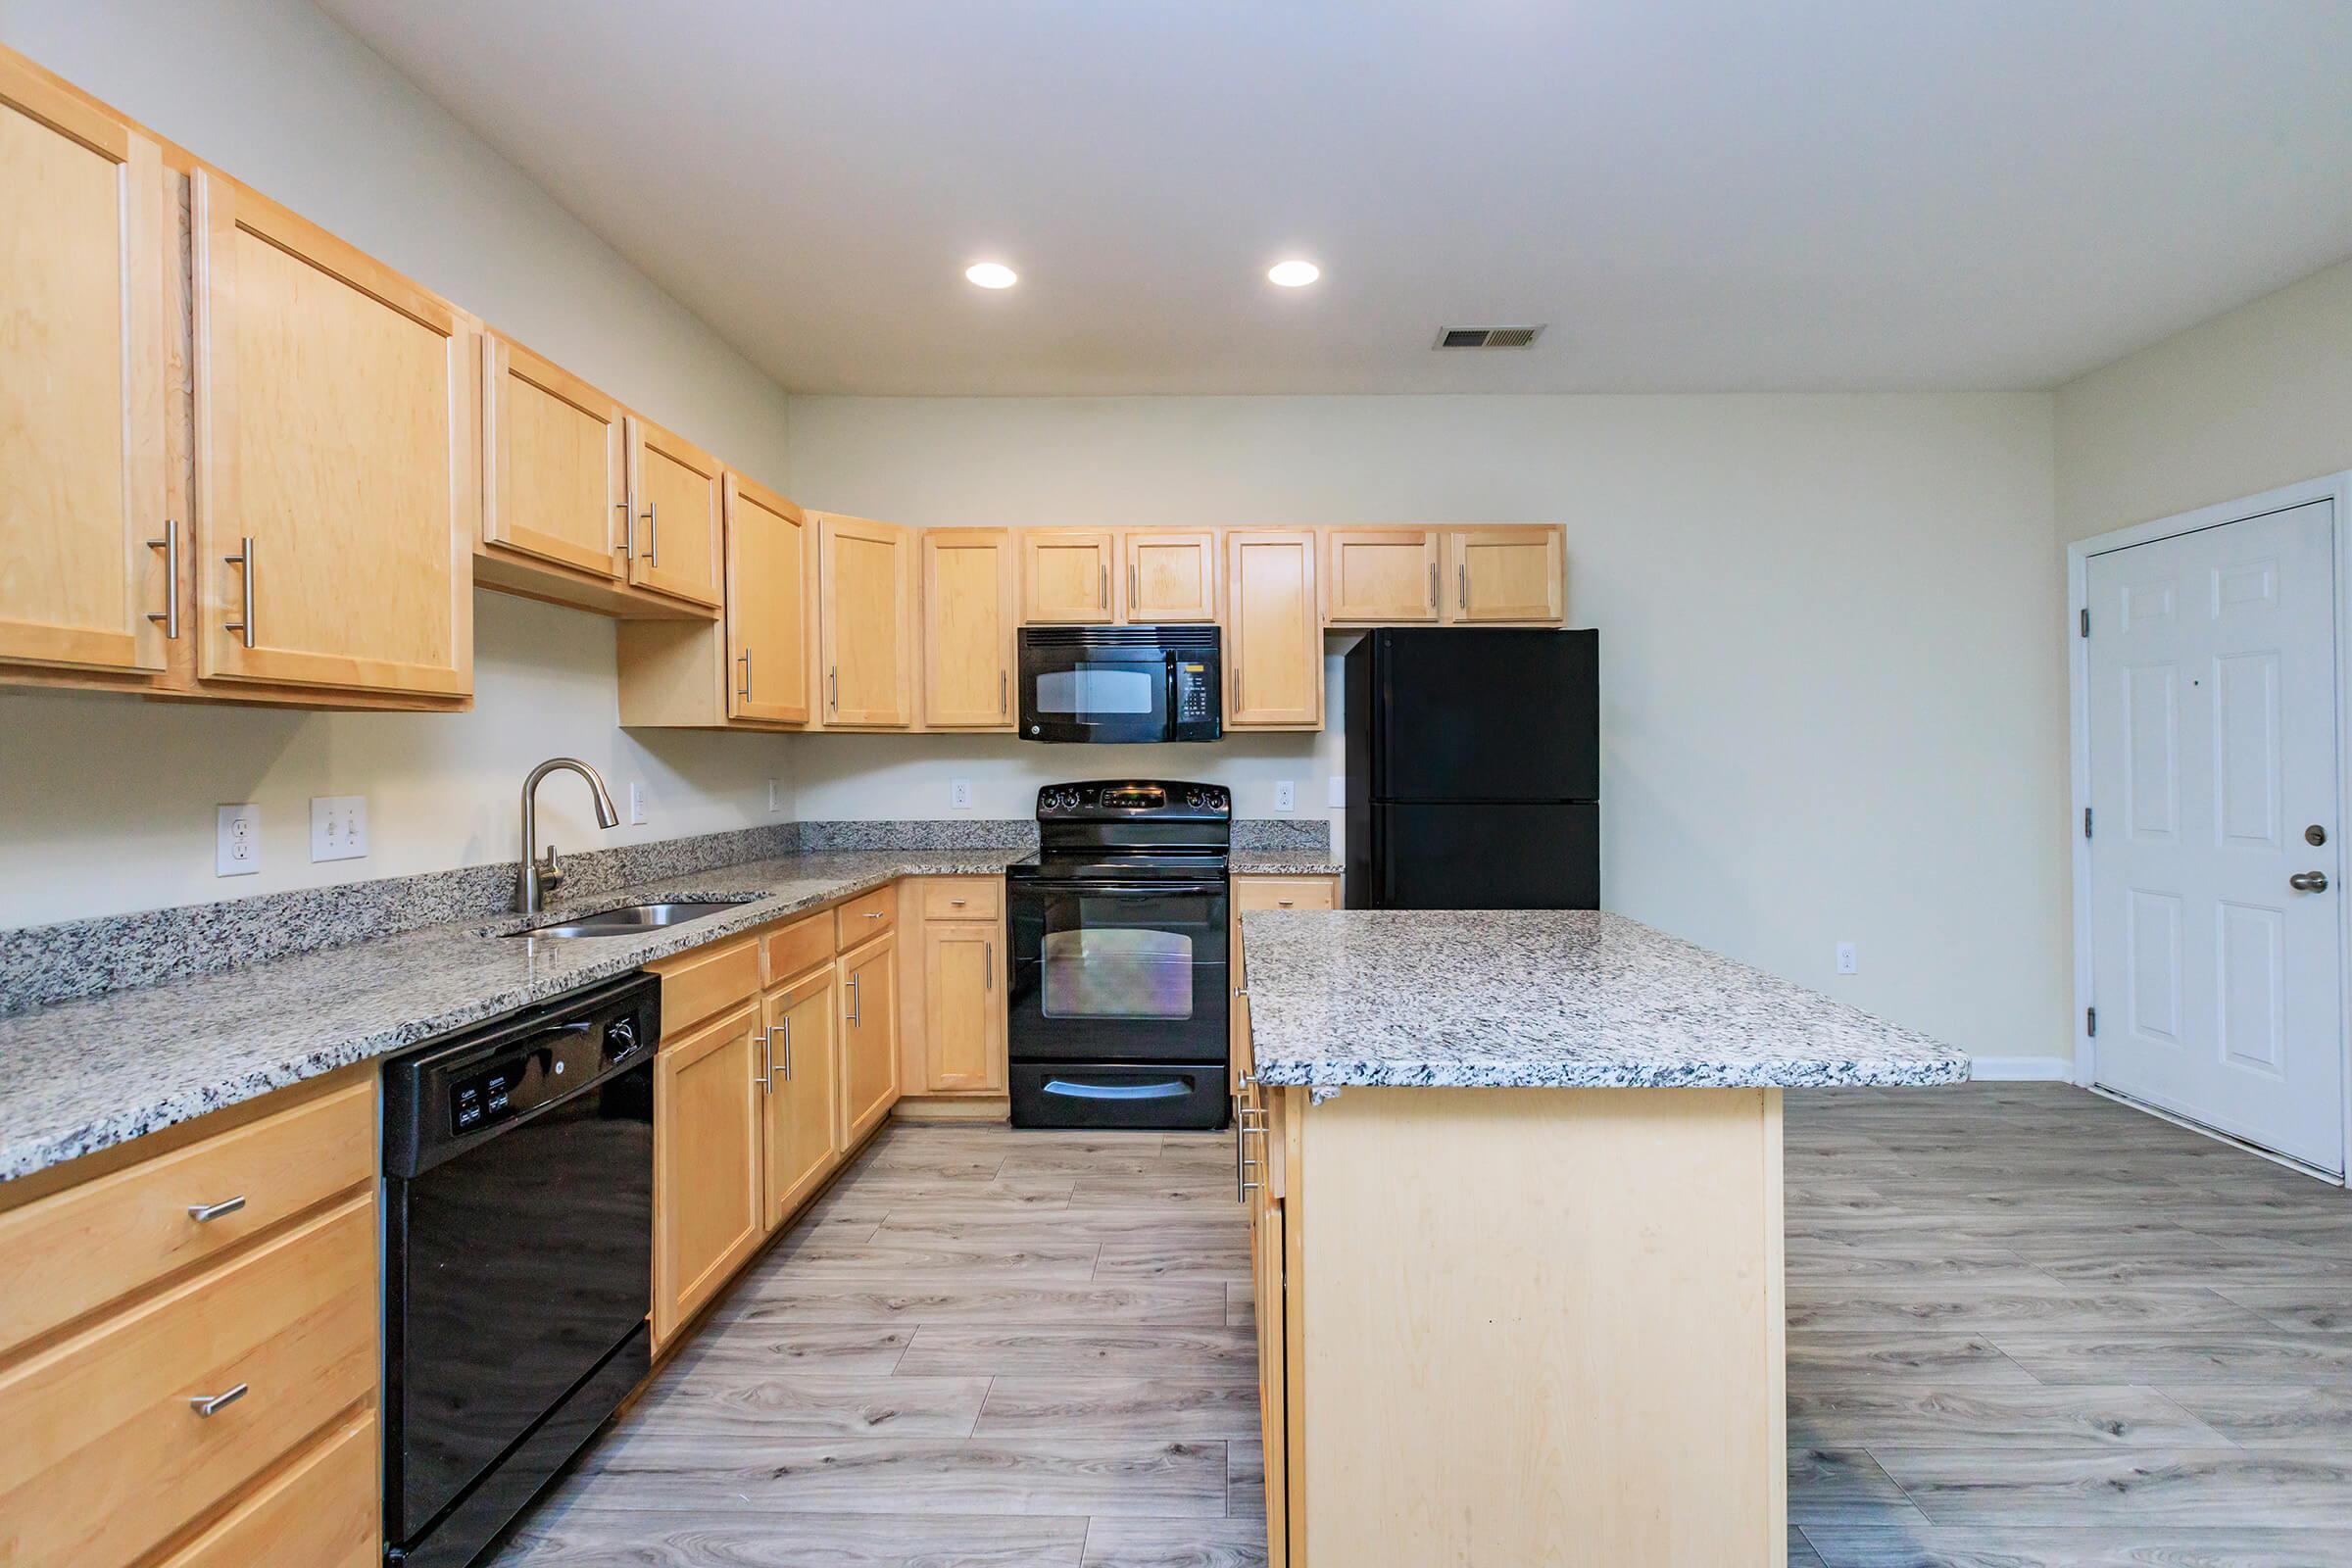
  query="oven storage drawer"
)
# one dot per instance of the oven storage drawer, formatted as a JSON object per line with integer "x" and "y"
{"x": 1116, "y": 1095}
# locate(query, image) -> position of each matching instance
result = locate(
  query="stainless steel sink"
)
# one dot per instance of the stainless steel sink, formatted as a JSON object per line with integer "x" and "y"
{"x": 632, "y": 919}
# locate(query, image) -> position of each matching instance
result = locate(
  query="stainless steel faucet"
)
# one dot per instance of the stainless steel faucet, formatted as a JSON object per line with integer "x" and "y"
{"x": 539, "y": 879}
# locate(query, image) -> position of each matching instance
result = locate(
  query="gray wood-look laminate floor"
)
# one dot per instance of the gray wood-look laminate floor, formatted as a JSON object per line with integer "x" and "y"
{"x": 2027, "y": 1328}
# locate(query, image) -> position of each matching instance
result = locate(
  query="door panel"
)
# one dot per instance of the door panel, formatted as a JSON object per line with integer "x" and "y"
{"x": 1065, "y": 576}
{"x": 971, "y": 608}
{"x": 1382, "y": 576}
{"x": 1507, "y": 573}
{"x": 2212, "y": 715}
{"x": 767, "y": 600}
{"x": 963, "y": 1008}
{"x": 709, "y": 1198}
{"x": 799, "y": 1077}
{"x": 1170, "y": 577}
{"x": 1274, "y": 668}
{"x": 81, "y": 399}
{"x": 866, "y": 625}
{"x": 558, "y": 485}
{"x": 337, "y": 408}
{"x": 869, "y": 1037}
{"x": 1488, "y": 857}
{"x": 674, "y": 487}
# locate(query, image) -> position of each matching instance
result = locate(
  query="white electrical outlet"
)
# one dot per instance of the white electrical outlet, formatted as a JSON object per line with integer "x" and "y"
{"x": 959, "y": 794}
{"x": 237, "y": 841}
{"x": 636, "y": 802}
{"x": 1846, "y": 962}
{"x": 1338, "y": 791}
{"x": 1286, "y": 795}
{"x": 775, "y": 797}
{"x": 338, "y": 827}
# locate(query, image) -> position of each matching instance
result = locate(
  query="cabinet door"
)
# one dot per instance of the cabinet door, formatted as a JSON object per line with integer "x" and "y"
{"x": 1274, "y": 631}
{"x": 1170, "y": 576}
{"x": 556, "y": 455}
{"x": 963, "y": 1008}
{"x": 866, "y": 571}
{"x": 337, "y": 473}
{"x": 81, "y": 384}
{"x": 1507, "y": 573}
{"x": 1066, "y": 576}
{"x": 708, "y": 1195}
{"x": 767, "y": 605}
{"x": 869, "y": 1037}
{"x": 674, "y": 533}
{"x": 1381, "y": 576}
{"x": 1267, "y": 1308}
{"x": 797, "y": 1072}
{"x": 970, "y": 610}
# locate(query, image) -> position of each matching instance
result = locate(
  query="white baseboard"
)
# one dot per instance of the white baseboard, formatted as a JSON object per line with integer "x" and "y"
{"x": 2021, "y": 1071}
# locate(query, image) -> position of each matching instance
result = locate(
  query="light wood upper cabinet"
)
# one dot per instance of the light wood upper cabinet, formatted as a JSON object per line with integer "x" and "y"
{"x": 336, "y": 459}
{"x": 768, "y": 550}
{"x": 1066, "y": 576}
{"x": 800, "y": 1074}
{"x": 709, "y": 1192}
{"x": 81, "y": 384}
{"x": 554, "y": 456}
{"x": 869, "y": 1036}
{"x": 1381, "y": 576}
{"x": 674, "y": 530}
{"x": 964, "y": 1007}
{"x": 866, "y": 625}
{"x": 970, "y": 611}
{"x": 1169, "y": 576}
{"x": 1273, "y": 632}
{"x": 1506, "y": 575}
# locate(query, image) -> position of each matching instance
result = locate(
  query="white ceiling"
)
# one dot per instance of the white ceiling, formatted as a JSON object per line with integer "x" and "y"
{"x": 1695, "y": 194}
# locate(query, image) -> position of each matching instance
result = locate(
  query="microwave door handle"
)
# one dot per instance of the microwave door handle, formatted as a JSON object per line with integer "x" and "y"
{"x": 1170, "y": 661}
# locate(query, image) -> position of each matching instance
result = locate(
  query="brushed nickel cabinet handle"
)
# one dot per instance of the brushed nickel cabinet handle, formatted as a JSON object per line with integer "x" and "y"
{"x": 788, "y": 1047}
{"x": 628, "y": 527}
{"x": 1461, "y": 584}
{"x": 835, "y": 678}
{"x": 959, "y": 903}
{"x": 205, "y": 1213}
{"x": 244, "y": 558}
{"x": 857, "y": 1005}
{"x": 1002, "y": 683}
{"x": 745, "y": 689}
{"x": 1433, "y": 587}
{"x": 653, "y": 533}
{"x": 988, "y": 973}
{"x": 168, "y": 544}
{"x": 1103, "y": 587}
{"x": 208, "y": 1404}
{"x": 763, "y": 1071}
{"x": 1134, "y": 586}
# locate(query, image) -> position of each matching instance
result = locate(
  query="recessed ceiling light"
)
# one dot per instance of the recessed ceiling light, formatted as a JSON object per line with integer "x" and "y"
{"x": 992, "y": 274}
{"x": 1294, "y": 274}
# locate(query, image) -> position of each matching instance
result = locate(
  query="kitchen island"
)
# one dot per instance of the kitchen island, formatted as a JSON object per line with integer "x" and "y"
{"x": 1516, "y": 1182}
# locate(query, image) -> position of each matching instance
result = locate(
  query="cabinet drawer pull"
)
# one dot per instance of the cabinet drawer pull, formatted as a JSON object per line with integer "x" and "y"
{"x": 1282, "y": 903}
{"x": 874, "y": 914}
{"x": 959, "y": 903}
{"x": 168, "y": 544}
{"x": 244, "y": 558}
{"x": 204, "y": 1213}
{"x": 206, "y": 1404}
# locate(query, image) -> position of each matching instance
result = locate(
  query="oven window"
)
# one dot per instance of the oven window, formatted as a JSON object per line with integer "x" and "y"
{"x": 1118, "y": 974}
{"x": 1099, "y": 689}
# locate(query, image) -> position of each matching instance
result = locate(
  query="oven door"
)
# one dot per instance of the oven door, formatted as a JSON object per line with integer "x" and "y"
{"x": 1118, "y": 695}
{"x": 1110, "y": 971}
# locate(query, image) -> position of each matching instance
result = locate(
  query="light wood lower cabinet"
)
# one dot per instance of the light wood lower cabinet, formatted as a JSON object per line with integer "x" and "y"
{"x": 963, "y": 1008}
{"x": 319, "y": 1510}
{"x": 710, "y": 1191}
{"x": 869, "y": 1036}
{"x": 799, "y": 1079}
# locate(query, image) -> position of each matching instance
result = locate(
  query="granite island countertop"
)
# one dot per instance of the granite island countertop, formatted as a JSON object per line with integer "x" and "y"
{"x": 81, "y": 1076}
{"x": 1546, "y": 999}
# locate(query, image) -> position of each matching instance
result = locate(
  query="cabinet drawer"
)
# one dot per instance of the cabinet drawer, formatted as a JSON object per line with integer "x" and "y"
{"x": 962, "y": 898}
{"x": 866, "y": 915}
{"x": 81, "y": 1248}
{"x": 697, "y": 984}
{"x": 106, "y": 1454}
{"x": 1285, "y": 893}
{"x": 319, "y": 1511}
{"x": 795, "y": 948}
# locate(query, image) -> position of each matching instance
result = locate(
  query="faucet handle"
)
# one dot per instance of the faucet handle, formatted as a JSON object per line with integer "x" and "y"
{"x": 551, "y": 874}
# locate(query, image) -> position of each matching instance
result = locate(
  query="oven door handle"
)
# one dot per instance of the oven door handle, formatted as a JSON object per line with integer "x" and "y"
{"x": 1070, "y": 1091}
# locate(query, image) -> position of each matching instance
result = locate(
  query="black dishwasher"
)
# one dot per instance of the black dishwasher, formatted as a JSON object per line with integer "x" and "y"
{"x": 518, "y": 1223}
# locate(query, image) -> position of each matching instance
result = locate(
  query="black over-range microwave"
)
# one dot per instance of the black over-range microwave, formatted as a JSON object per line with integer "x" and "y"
{"x": 1121, "y": 684}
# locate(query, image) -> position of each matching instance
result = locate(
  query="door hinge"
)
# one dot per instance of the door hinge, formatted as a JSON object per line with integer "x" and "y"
{"x": 2086, "y": 821}
{"x": 2091, "y": 1022}
{"x": 2085, "y": 620}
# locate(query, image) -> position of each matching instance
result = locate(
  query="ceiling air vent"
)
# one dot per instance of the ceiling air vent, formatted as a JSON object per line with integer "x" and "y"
{"x": 1487, "y": 338}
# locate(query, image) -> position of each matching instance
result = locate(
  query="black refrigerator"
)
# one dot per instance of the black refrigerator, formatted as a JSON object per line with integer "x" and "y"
{"x": 1474, "y": 770}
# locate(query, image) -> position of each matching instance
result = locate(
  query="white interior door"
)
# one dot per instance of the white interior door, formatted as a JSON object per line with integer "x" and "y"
{"x": 2212, "y": 708}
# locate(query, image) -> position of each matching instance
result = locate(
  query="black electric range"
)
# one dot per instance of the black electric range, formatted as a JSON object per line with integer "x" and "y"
{"x": 1120, "y": 992}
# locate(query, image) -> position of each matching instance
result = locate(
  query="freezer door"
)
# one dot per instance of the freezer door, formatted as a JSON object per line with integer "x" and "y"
{"x": 1465, "y": 714}
{"x": 1492, "y": 857}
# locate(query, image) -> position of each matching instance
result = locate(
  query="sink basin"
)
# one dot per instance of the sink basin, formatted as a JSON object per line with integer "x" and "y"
{"x": 632, "y": 919}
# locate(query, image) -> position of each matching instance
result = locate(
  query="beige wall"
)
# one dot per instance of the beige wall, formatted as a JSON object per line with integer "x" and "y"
{"x": 112, "y": 800}
{"x": 2246, "y": 402}
{"x": 1834, "y": 693}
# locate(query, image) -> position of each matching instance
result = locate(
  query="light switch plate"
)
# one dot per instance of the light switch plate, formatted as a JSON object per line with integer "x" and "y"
{"x": 1338, "y": 791}
{"x": 237, "y": 841}
{"x": 338, "y": 827}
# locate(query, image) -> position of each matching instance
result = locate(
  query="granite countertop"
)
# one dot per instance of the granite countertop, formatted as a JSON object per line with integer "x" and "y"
{"x": 1282, "y": 863}
{"x": 81, "y": 1076}
{"x": 1546, "y": 999}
